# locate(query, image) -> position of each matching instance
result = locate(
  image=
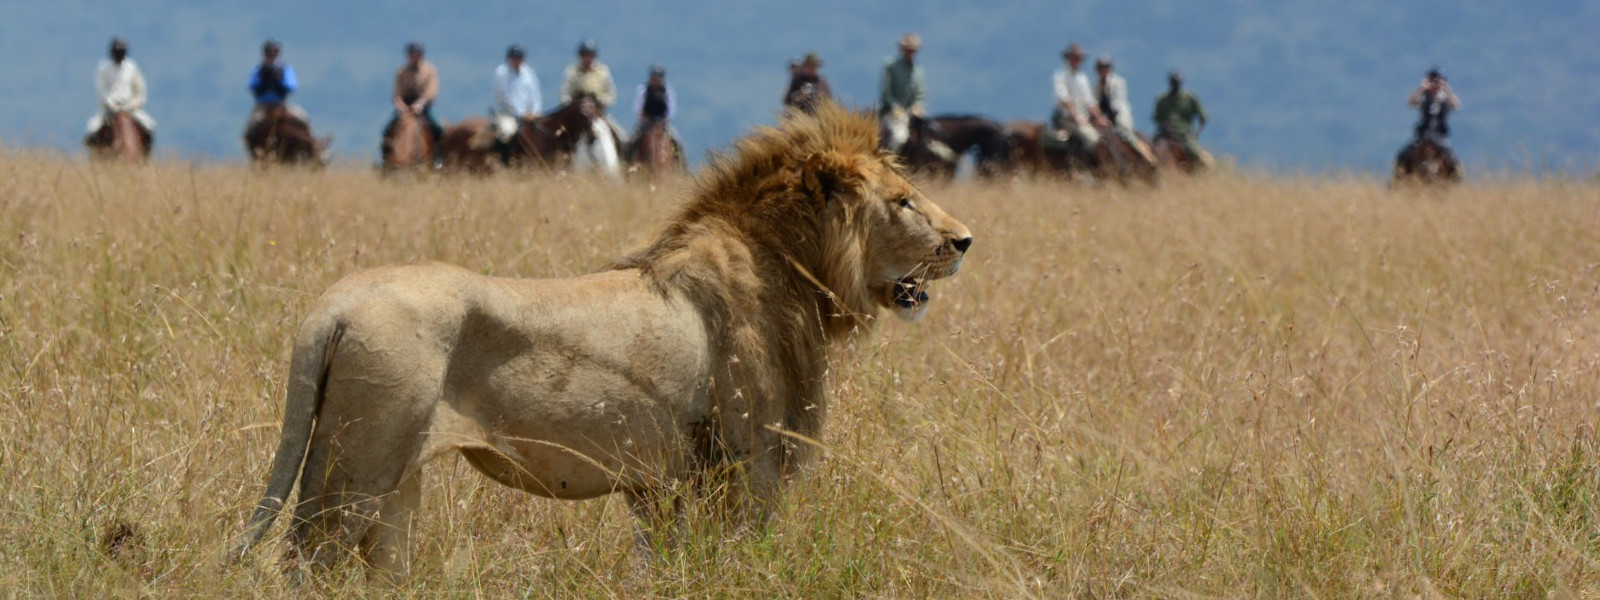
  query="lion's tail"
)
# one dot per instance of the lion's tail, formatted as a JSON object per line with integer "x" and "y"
{"x": 308, "y": 381}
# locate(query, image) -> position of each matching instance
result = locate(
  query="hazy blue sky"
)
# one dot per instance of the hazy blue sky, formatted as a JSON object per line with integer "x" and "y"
{"x": 1296, "y": 84}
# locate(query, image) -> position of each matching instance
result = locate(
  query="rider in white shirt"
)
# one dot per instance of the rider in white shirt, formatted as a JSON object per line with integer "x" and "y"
{"x": 1075, "y": 106}
{"x": 121, "y": 88}
{"x": 516, "y": 96}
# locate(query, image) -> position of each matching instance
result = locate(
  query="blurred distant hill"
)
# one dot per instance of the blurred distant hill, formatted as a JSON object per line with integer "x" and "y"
{"x": 1292, "y": 84}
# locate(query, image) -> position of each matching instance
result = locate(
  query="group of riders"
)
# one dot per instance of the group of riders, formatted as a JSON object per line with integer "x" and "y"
{"x": 1084, "y": 111}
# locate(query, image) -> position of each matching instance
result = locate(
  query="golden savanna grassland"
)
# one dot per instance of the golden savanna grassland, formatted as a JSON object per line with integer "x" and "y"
{"x": 1234, "y": 386}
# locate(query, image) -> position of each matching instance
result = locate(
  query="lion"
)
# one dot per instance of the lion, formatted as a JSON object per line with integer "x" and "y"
{"x": 706, "y": 350}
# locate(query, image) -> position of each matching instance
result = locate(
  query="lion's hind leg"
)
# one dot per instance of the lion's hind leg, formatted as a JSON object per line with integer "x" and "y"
{"x": 362, "y": 475}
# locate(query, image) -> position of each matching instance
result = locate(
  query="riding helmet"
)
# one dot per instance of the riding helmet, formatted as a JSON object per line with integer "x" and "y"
{"x": 271, "y": 45}
{"x": 515, "y": 51}
{"x": 588, "y": 47}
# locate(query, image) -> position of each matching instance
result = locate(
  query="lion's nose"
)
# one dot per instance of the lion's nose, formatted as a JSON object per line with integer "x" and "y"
{"x": 962, "y": 244}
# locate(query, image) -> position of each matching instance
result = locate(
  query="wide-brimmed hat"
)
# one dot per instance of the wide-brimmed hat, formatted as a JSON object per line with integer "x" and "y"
{"x": 812, "y": 59}
{"x": 911, "y": 42}
{"x": 1074, "y": 49}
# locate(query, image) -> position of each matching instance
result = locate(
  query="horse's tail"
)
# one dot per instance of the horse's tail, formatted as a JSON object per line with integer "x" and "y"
{"x": 308, "y": 384}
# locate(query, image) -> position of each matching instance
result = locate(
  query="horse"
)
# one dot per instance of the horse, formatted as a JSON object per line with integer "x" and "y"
{"x": 1028, "y": 154}
{"x": 545, "y": 141}
{"x": 936, "y": 144}
{"x": 1424, "y": 161}
{"x": 1116, "y": 158}
{"x": 408, "y": 144}
{"x": 655, "y": 152}
{"x": 281, "y": 137}
{"x": 1171, "y": 156}
{"x": 120, "y": 137}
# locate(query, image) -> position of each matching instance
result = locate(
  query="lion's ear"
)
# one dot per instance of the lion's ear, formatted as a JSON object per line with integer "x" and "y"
{"x": 827, "y": 174}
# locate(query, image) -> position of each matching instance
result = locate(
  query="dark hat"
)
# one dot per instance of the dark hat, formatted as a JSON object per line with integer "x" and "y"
{"x": 588, "y": 47}
{"x": 1074, "y": 49}
{"x": 414, "y": 48}
{"x": 812, "y": 59}
{"x": 515, "y": 51}
{"x": 271, "y": 45}
{"x": 1434, "y": 73}
{"x": 119, "y": 45}
{"x": 656, "y": 70}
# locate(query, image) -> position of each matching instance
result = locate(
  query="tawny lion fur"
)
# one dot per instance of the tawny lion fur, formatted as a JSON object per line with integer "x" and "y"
{"x": 699, "y": 351}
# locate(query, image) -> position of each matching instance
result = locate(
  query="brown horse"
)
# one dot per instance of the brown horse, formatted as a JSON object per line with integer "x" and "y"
{"x": 656, "y": 153}
{"x": 1116, "y": 159}
{"x": 120, "y": 138}
{"x": 1171, "y": 156}
{"x": 1028, "y": 155}
{"x": 410, "y": 143}
{"x": 281, "y": 137}
{"x": 547, "y": 141}
{"x": 1426, "y": 161}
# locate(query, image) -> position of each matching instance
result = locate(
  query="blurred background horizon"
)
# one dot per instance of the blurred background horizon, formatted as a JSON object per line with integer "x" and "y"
{"x": 1293, "y": 86}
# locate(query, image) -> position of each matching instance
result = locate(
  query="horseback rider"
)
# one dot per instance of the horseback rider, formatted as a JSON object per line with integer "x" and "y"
{"x": 516, "y": 99}
{"x": 1435, "y": 101}
{"x": 590, "y": 78}
{"x": 416, "y": 86}
{"x": 806, "y": 85}
{"x": 654, "y": 103}
{"x": 1075, "y": 110}
{"x": 1115, "y": 113}
{"x": 120, "y": 86}
{"x": 901, "y": 93}
{"x": 271, "y": 83}
{"x": 1176, "y": 111}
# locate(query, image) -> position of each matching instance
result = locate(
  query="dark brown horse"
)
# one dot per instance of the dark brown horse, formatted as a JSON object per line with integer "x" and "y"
{"x": 655, "y": 152}
{"x": 1426, "y": 161}
{"x": 547, "y": 141}
{"x": 280, "y": 137}
{"x": 120, "y": 138}
{"x": 935, "y": 145}
{"x": 409, "y": 145}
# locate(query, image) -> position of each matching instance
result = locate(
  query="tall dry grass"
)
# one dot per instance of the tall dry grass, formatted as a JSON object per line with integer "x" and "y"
{"x": 1232, "y": 387}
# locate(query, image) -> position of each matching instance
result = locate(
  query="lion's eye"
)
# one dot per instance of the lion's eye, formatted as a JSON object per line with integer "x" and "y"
{"x": 905, "y": 203}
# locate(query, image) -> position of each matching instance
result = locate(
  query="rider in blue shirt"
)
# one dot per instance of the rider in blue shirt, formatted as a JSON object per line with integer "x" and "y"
{"x": 271, "y": 83}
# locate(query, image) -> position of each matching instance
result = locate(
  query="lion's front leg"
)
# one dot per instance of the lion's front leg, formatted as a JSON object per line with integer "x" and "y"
{"x": 657, "y": 525}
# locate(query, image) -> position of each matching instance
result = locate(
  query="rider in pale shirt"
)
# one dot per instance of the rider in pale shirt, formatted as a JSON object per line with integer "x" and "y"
{"x": 516, "y": 98}
{"x": 1075, "y": 107}
{"x": 271, "y": 83}
{"x": 590, "y": 78}
{"x": 901, "y": 93}
{"x": 121, "y": 88}
{"x": 1111, "y": 96}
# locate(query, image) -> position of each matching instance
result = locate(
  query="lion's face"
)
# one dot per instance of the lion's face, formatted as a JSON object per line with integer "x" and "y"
{"x": 910, "y": 241}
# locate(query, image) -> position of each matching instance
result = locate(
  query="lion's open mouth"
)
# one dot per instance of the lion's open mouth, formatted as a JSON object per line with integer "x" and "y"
{"x": 910, "y": 293}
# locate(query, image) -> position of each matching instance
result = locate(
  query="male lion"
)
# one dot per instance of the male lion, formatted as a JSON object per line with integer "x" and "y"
{"x": 702, "y": 351}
